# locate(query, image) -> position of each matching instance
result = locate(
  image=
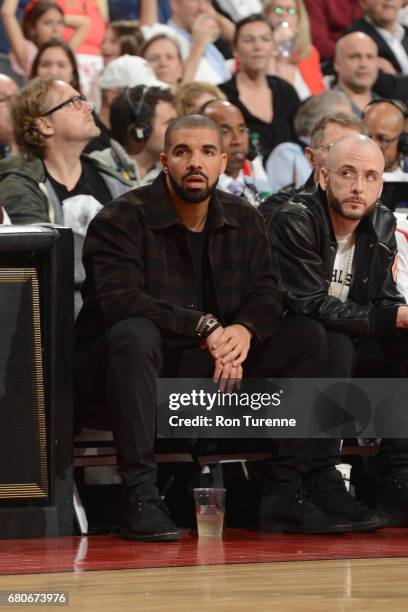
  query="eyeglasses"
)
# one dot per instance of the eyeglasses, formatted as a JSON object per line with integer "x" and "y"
{"x": 350, "y": 176}
{"x": 279, "y": 10}
{"x": 325, "y": 147}
{"x": 76, "y": 101}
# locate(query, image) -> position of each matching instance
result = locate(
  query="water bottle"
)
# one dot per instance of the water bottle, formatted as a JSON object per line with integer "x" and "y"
{"x": 284, "y": 39}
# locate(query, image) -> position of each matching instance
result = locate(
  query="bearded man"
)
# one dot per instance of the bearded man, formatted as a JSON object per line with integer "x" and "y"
{"x": 335, "y": 249}
{"x": 180, "y": 282}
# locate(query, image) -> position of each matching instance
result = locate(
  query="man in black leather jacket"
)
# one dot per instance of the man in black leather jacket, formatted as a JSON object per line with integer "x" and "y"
{"x": 335, "y": 267}
{"x": 324, "y": 133}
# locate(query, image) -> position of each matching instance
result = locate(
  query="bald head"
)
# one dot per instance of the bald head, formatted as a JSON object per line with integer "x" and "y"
{"x": 355, "y": 147}
{"x": 353, "y": 40}
{"x": 216, "y": 104}
{"x": 222, "y": 112}
{"x": 385, "y": 122}
{"x": 356, "y": 62}
{"x": 384, "y": 112}
{"x": 352, "y": 180}
{"x": 235, "y": 140}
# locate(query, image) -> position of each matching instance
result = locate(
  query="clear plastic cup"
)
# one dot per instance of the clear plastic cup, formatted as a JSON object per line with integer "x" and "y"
{"x": 210, "y": 509}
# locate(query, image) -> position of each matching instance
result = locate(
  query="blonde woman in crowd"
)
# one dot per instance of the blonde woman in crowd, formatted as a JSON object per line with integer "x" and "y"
{"x": 294, "y": 57}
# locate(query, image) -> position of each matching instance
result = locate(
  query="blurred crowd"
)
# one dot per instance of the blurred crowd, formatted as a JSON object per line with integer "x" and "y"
{"x": 266, "y": 70}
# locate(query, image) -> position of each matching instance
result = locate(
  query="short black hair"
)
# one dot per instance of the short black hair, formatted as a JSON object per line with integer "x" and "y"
{"x": 121, "y": 115}
{"x": 193, "y": 121}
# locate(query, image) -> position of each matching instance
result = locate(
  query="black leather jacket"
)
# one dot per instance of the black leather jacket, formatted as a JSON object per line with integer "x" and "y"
{"x": 304, "y": 245}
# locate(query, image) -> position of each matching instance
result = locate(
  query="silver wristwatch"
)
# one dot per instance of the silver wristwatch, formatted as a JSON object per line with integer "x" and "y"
{"x": 208, "y": 324}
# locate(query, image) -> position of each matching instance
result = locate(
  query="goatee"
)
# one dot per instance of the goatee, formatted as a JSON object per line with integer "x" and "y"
{"x": 347, "y": 213}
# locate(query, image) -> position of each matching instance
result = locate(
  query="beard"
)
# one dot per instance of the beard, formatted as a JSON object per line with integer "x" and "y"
{"x": 193, "y": 196}
{"x": 340, "y": 206}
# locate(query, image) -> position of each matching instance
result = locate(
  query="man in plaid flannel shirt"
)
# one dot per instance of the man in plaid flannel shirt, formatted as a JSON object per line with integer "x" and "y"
{"x": 180, "y": 282}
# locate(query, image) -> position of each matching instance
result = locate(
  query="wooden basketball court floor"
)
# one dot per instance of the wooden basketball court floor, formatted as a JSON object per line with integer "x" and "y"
{"x": 246, "y": 571}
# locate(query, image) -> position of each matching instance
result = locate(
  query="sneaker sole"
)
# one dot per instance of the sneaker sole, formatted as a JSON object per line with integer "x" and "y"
{"x": 392, "y": 520}
{"x": 371, "y": 525}
{"x": 283, "y": 527}
{"x": 169, "y": 536}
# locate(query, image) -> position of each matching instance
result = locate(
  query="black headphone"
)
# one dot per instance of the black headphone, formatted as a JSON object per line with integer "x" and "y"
{"x": 138, "y": 130}
{"x": 403, "y": 108}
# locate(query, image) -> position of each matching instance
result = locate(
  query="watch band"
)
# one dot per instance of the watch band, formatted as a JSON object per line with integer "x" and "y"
{"x": 208, "y": 324}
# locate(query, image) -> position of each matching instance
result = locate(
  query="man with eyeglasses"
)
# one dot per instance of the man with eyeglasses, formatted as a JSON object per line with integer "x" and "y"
{"x": 241, "y": 177}
{"x": 52, "y": 181}
{"x": 386, "y": 121}
{"x": 336, "y": 248}
{"x": 324, "y": 133}
{"x": 8, "y": 89}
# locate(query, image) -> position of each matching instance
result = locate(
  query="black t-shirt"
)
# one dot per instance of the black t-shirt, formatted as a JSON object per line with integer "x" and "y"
{"x": 198, "y": 242}
{"x": 90, "y": 183}
{"x": 80, "y": 205}
{"x": 285, "y": 105}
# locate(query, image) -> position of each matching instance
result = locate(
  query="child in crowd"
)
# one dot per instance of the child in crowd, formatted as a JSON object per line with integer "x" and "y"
{"x": 42, "y": 21}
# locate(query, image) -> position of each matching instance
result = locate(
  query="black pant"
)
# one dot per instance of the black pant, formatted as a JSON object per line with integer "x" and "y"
{"x": 364, "y": 358}
{"x": 120, "y": 369}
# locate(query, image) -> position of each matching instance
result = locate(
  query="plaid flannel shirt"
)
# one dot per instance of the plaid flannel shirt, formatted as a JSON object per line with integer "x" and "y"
{"x": 138, "y": 264}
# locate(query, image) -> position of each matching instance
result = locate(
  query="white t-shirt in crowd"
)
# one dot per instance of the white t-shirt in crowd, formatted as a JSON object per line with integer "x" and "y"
{"x": 342, "y": 273}
{"x": 396, "y": 176}
{"x": 394, "y": 41}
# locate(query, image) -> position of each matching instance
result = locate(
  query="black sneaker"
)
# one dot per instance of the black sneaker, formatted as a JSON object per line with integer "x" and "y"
{"x": 145, "y": 517}
{"x": 392, "y": 498}
{"x": 292, "y": 511}
{"x": 328, "y": 491}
